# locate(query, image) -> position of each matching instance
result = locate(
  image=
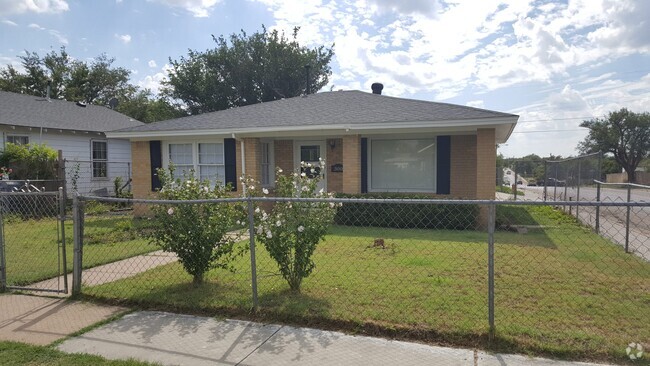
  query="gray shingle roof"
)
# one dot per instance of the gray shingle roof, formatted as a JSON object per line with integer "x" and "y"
{"x": 30, "y": 111}
{"x": 329, "y": 108}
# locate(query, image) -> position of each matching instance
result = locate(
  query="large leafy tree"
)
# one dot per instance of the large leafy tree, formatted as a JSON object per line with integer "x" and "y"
{"x": 243, "y": 70}
{"x": 624, "y": 134}
{"x": 95, "y": 82}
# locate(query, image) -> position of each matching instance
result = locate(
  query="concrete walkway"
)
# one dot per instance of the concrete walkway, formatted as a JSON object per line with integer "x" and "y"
{"x": 172, "y": 339}
{"x": 110, "y": 272}
{"x": 43, "y": 320}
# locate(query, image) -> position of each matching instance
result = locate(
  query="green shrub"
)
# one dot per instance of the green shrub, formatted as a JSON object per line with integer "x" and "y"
{"x": 405, "y": 215}
{"x": 31, "y": 161}
{"x": 197, "y": 233}
{"x": 291, "y": 230}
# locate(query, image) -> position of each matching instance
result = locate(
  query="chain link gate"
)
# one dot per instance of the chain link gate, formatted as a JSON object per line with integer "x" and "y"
{"x": 32, "y": 242}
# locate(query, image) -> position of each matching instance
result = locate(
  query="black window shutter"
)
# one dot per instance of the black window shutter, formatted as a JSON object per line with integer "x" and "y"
{"x": 155, "y": 153}
{"x": 230, "y": 157}
{"x": 364, "y": 165}
{"x": 443, "y": 165}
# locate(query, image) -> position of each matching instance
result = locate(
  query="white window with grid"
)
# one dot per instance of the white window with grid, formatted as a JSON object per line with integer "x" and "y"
{"x": 18, "y": 139}
{"x": 206, "y": 159}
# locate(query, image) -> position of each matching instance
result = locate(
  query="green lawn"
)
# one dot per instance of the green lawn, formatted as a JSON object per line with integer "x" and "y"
{"x": 12, "y": 353}
{"x": 560, "y": 289}
{"x": 31, "y": 245}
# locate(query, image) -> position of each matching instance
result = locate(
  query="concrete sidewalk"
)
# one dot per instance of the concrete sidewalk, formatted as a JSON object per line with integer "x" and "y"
{"x": 172, "y": 339}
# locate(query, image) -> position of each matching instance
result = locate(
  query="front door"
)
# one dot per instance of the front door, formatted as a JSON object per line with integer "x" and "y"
{"x": 309, "y": 152}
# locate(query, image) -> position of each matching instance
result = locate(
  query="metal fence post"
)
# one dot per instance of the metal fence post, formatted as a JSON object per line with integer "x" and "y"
{"x": 578, "y": 192}
{"x": 545, "y": 180}
{"x": 3, "y": 262}
{"x": 598, "y": 207}
{"x": 251, "y": 234}
{"x": 64, "y": 258}
{"x": 491, "y": 224}
{"x": 77, "y": 261}
{"x": 627, "y": 219}
{"x": 515, "y": 185}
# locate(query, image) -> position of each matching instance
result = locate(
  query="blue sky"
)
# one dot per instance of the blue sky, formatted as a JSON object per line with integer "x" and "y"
{"x": 554, "y": 63}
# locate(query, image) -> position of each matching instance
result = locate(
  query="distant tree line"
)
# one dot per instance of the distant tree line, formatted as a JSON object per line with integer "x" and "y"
{"x": 242, "y": 69}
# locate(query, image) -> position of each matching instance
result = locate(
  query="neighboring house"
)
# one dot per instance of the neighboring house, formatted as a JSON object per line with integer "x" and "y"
{"x": 371, "y": 143}
{"x": 77, "y": 130}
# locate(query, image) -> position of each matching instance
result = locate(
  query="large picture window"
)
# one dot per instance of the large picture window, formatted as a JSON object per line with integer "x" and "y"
{"x": 406, "y": 165}
{"x": 205, "y": 158}
{"x": 18, "y": 139}
{"x": 99, "y": 158}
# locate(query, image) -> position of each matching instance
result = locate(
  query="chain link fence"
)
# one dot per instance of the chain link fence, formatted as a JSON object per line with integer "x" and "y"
{"x": 98, "y": 178}
{"x": 33, "y": 253}
{"x": 523, "y": 274}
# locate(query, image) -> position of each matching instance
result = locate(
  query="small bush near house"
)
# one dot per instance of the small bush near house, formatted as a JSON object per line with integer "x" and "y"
{"x": 197, "y": 233}
{"x": 291, "y": 231}
{"x": 404, "y": 215}
{"x": 31, "y": 161}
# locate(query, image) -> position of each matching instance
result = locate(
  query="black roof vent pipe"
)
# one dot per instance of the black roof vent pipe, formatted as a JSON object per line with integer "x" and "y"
{"x": 377, "y": 88}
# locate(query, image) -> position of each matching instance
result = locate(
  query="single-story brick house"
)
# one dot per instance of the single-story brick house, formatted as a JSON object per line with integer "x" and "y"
{"x": 371, "y": 143}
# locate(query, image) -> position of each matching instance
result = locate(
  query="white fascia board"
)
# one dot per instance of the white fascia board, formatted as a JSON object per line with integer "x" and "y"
{"x": 325, "y": 129}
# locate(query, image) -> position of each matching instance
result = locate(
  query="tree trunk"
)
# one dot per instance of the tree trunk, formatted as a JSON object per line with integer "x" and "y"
{"x": 197, "y": 279}
{"x": 631, "y": 175}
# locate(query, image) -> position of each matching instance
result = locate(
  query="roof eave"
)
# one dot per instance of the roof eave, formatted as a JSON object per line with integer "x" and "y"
{"x": 348, "y": 128}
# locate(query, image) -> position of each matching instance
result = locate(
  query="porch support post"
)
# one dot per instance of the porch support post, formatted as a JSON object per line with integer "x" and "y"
{"x": 352, "y": 164}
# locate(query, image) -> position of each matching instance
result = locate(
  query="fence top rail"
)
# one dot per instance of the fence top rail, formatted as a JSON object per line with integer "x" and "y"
{"x": 574, "y": 158}
{"x": 44, "y": 193}
{"x": 368, "y": 201}
{"x": 622, "y": 184}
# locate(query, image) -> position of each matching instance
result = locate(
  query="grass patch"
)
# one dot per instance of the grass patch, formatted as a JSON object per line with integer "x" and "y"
{"x": 561, "y": 290}
{"x": 32, "y": 245}
{"x": 508, "y": 190}
{"x": 14, "y": 353}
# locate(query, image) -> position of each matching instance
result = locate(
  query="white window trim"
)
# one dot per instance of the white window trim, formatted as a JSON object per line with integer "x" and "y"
{"x": 408, "y": 137}
{"x": 16, "y": 135}
{"x": 271, "y": 183}
{"x": 195, "y": 153}
{"x": 92, "y": 160}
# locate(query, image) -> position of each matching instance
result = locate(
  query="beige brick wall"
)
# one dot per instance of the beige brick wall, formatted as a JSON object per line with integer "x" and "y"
{"x": 141, "y": 160}
{"x": 351, "y": 164}
{"x": 334, "y": 156}
{"x": 463, "y": 166}
{"x": 486, "y": 161}
{"x": 283, "y": 152}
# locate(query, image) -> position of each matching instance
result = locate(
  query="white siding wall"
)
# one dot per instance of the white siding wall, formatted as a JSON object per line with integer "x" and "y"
{"x": 76, "y": 150}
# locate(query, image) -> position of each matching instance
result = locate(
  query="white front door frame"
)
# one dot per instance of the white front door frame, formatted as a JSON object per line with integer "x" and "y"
{"x": 297, "y": 144}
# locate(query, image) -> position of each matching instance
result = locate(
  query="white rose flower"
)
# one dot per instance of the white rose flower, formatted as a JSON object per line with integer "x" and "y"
{"x": 280, "y": 170}
{"x": 265, "y": 191}
{"x": 170, "y": 211}
{"x": 252, "y": 187}
{"x": 260, "y": 229}
{"x": 238, "y": 222}
{"x": 257, "y": 210}
{"x": 303, "y": 175}
{"x": 268, "y": 234}
{"x": 308, "y": 165}
{"x": 301, "y": 228}
{"x": 278, "y": 223}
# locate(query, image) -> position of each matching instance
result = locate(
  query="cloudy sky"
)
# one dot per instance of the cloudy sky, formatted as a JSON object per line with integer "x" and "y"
{"x": 555, "y": 63}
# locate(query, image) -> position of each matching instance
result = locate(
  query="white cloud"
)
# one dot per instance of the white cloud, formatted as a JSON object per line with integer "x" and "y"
{"x": 135, "y": 59}
{"x": 476, "y": 103}
{"x": 198, "y": 8}
{"x": 35, "y": 6}
{"x": 9, "y": 22}
{"x": 52, "y": 32}
{"x": 152, "y": 63}
{"x": 446, "y": 47}
{"x": 154, "y": 82}
{"x": 124, "y": 38}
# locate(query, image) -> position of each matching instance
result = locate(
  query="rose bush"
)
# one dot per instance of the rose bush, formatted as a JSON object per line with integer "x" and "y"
{"x": 201, "y": 235}
{"x": 290, "y": 231}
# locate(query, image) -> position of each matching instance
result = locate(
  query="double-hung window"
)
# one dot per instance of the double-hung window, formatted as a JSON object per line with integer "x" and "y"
{"x": 99, "y": 155}
{"x": 206, "y": 159}
{"x": 18, "y": 139}
{"x": 402, "y": 165}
